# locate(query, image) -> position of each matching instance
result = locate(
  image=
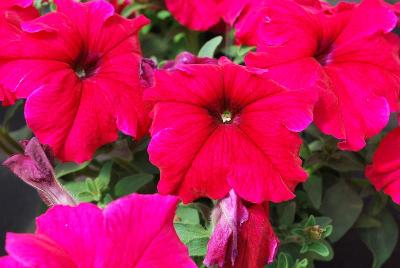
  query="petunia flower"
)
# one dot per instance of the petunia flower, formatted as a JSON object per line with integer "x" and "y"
{"x": 19, "y": 10}
{"x": 201, "y": 15}
{"x": 347, "y": 54}
{"x": 35, "y": 167}
{"x": 384, "y": 172}
{"x": 243, "y": 236}
{"x": 79, "y": 69}
{"x": 218, "y": 127}
{"x": 135, "y": 231}
{"x": 252, "y": 17}
{"x": 13, "y": 12}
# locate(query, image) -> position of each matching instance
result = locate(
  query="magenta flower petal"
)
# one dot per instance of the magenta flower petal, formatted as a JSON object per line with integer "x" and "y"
{"x": 201, "y": 15}
{"x": 338, "y": 54}
{"x": 31, "y": 250}
{"x": 384, "y": 172}
{"x": 85, "y": 86}
{"x": 130, "y": 232}
{"x": 239, "y": 130}
{"x": 148, "y": 219}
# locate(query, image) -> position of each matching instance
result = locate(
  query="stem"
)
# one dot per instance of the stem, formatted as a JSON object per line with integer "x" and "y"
{"x": 228, "y": 37}
{"x": 4, "y": 134}
{"x": 192, "y": 39}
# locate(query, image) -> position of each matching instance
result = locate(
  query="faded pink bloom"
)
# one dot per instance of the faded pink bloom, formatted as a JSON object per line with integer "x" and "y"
{"x": 347, "y": 54}
{"x": 135, "y": 231}
{"x": 79, "y": 68}
{"x": 218, "y": 127}
{"x": 243, "y": 236}
{"x": 35, "y": 167}
{"x": 384, "y": 172}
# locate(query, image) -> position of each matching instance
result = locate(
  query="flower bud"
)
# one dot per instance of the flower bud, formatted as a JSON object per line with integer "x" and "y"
{"x": 243, "y": 236}
{"x": 188, "y": 58}
{"x": 147, "y": 67}
{"x": 35, "y": 168}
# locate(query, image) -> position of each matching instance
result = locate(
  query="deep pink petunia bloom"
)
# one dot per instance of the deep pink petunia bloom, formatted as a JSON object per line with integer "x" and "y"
{"x": 348, "y": 53}
{"x": 252, "y": 17}
{"x": 13, "y": 12}
{"x": 135, "y": 231}
{"x": 201, "y": 15}
{"x": 23, "y": 9}
{"x": 79, "y": 69}
{"x": 243, "y": 236}
{"x": 384, "y": 172}
{"x": 223, "y": 126}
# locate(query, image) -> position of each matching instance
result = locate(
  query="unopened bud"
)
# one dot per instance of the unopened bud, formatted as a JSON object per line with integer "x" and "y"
{"x": 35, "y": 168}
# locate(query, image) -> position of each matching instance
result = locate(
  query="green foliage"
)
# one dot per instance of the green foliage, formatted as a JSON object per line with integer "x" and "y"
{"x": 131, "y": 184}
{"x": 63, "y": 169}
{"x": 381, "y": 239}
{"x": 209, "y": 48}
{"x": 343, "y": 205}
{"x": 194, "y": 235}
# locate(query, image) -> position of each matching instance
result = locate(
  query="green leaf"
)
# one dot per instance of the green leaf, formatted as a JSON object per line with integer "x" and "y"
{"x": 104, "y": 177}
{"x": 323, "y": 221}
{"x": 197, "y": 247}
{"x": 194, "y": 236}
{"x": 76, "y": 187}
{"x": 93, "y": 189}
{"x": 10, "y": 112}
{"x": 282, "y": 261}
{"x": 319, "y": 248}
{"x": 345, "y": 161}
{"x": 310, "y": 221}
{"x": 23, "y": 133}
{"x": 381, "y": 241}
{"x": 313, "y": 188}
{"x": 91, "y": 185}
{"x": 142, "y": 163}
{"x": 68, "y": 168}
{"x": 187, "y": 215}
{"x": 301, "y": 263}
{"x": 286, "y": 213}
{"x": 132, "y": 184}
{"x": 367, "y": 221}
{"x": 163, "y": 14}
{"x": 86, "y": 197}
{"x": 188, "y": 232}
{"x": 208, "y": 49}
{"x": 343, "y": 206}
{"x": 106, "y": 200}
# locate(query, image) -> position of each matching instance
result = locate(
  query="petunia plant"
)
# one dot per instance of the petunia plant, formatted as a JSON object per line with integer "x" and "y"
{"x": 215, "y": 133}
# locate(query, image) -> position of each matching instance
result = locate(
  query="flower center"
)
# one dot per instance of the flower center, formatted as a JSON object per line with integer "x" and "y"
{"x": 226, "y": 117}
{"x": 324, "y": 53}
{"x": 86, "y": 65}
